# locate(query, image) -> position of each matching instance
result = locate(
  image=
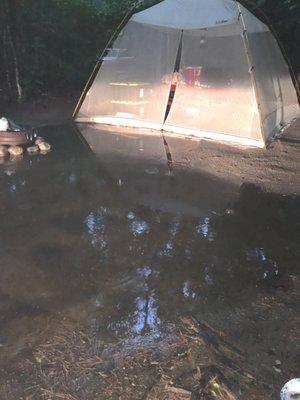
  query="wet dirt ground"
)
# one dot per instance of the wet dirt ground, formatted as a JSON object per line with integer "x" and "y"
{"x": 126, "y": 277}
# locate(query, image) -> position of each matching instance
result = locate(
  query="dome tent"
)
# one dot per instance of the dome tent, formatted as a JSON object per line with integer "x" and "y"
{"x": 220, "y": 64}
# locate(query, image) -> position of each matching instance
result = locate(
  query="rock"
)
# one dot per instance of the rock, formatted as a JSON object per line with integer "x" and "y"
{"x": 44, "y": 146}
{"x": 3, "y": 151}
{"x": 15, "y": 150}
{"x": 39, "y": 140}
{"x": 33, "y": 149}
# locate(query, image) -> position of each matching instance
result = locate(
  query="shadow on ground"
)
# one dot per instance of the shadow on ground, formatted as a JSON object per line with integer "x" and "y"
{"x": 127, "y": 279}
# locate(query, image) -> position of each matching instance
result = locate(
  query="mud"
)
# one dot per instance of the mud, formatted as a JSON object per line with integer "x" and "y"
{"x": 127, "y": 278}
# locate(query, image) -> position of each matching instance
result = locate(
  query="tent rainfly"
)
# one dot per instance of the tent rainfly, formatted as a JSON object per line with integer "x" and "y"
{"x": 195, "y": 67}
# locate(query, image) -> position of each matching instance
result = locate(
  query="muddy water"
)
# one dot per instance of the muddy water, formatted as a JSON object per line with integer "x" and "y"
{"x": 109, "y": 235}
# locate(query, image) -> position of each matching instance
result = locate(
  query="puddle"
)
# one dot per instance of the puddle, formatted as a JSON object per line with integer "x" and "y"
{"x": 110, "y": 241}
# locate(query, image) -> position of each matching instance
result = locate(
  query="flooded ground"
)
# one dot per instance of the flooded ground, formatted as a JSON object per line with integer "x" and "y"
{"x": 127, "y": 276}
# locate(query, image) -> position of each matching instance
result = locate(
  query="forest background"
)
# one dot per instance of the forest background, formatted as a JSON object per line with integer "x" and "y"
{"x": 51, "y": 46}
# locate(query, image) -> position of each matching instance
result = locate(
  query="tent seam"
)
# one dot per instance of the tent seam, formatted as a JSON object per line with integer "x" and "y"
{"x": 251, "y": 67}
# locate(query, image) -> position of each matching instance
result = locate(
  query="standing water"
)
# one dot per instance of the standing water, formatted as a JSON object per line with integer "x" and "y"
{"x": 124, "y": 276}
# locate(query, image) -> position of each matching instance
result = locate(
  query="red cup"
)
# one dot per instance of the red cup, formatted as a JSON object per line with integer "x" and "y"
{"x": 191, "y": 75}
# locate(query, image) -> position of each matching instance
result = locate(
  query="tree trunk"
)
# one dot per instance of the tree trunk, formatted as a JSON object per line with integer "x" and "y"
{"x": 10, "y": 71}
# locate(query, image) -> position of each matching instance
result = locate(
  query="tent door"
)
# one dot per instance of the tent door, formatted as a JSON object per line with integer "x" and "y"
{"x": 174, "y": 82}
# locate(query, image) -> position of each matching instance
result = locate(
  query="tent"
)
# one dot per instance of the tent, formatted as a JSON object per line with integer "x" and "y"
{"x": 194, "y": 67}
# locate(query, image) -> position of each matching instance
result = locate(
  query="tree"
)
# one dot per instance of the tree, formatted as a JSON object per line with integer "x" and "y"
{"x": 58, "y": 41}
{"x": 11, "y": 81}
{"x": 283, "y": 16}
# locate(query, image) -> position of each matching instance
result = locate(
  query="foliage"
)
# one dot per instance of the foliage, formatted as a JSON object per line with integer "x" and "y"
{"x": 58, "y": 41}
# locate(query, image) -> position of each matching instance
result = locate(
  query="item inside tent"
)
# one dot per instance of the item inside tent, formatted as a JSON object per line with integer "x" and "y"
{"x": 197, "y": 69}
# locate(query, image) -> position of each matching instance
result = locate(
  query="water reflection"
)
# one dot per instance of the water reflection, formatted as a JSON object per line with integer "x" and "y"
{"x": 135, "y": 256}
{"x": 139, "y": 227}
{"x": 256, "y": 254}
{"x": 205, "y": 229}
{"x": 142, "y": 320}
{"x": 95, "y": 223}
{"x": 142, "y": 317}
{"x": 187, "y": 290}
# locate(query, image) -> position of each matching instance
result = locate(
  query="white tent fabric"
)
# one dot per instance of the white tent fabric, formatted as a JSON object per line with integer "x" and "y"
{"x": 225, "y": 103}
{"x": 278, "y": 104}
{"x": 126, "y": 86}
{"x": 189, "y": 14}
{"x": 195, "y": 67}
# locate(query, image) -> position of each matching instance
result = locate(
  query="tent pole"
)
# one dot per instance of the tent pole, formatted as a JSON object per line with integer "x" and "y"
{"x": 99, "y": 61}
{"x": 251, "y": 66}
